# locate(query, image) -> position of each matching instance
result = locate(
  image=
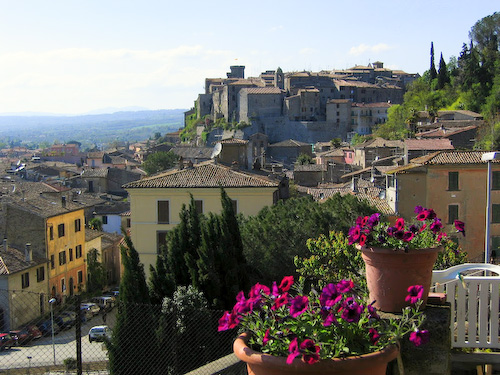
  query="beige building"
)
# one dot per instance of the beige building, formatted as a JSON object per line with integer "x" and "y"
{"x": 156, "y": 202}
{"x": 24, "y": 286}
{"x": 453, "y": 183}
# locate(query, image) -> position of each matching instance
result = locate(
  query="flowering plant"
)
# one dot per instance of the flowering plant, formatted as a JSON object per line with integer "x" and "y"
{"x": 424, "y": 232}
{"x": 335, "y": 322}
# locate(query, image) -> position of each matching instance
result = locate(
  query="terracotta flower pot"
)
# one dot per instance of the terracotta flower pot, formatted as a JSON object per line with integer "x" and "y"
{"x": 389, "y": 273}
{"x": 265, "y": 364}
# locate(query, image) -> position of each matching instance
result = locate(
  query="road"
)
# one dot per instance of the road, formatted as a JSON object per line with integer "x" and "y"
{"x": 40, "y": 352}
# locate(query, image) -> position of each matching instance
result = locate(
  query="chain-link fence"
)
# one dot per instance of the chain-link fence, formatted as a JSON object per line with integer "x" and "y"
{"x": 126, "y": 339}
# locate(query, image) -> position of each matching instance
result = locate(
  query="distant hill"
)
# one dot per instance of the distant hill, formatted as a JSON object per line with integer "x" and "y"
{"x": 98, "y": 129}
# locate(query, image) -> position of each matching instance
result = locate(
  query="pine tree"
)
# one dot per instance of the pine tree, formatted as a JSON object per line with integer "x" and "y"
{"x": 433, "y": 73}
{"x": 134, "y": 318}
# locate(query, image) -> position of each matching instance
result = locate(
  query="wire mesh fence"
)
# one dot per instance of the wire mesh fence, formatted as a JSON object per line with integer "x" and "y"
{"x": 38, "y": 337}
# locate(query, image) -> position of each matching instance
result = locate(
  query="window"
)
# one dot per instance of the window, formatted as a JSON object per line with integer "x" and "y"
{"x": 78, "y": 251}
{"x": 52, "y": 262}
{"x": 78, "y": 225}
{"x": 452, "y": 181}
{"x": 199, "y": 206}
{"x": 63, "y": 285}
{"x": 80, "y": 277}
{"x": 495, "y": 246}
{"x": 495, "y": 183}
{"x": 25, "y": 280}
{"x": 104, "y": 219}
{"x": 70, "y": 251}
{"x": 60, "y": 230}
{"x": 62, "y": 257}
{"x": 495, "y": 213}
{"x": 452, "y": 213}
{"x": 161, "y": 239}
{"x": 128, "y": 223}
{"x": 40, "y": 274}
{"x": 51, "y": 233}
{"x": 163, "y": 212}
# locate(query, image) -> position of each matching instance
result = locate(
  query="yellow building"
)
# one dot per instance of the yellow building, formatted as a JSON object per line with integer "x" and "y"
{"x": 155, "y": 202}
{"x": 23, "y": 286}
{"x": 55, "y": 228}
{"x": 453, "y": 183}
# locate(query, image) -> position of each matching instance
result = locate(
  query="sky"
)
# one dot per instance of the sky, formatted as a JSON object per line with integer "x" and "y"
{"x": 74, "y": 57}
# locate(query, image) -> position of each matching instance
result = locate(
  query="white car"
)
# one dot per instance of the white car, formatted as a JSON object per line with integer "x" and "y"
{"x": 99, "y": 333}
{"x": 94, "y": 308}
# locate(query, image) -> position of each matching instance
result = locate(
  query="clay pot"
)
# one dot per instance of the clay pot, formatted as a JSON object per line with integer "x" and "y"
{"x": 389, "y": 273}
{"x": 265, "y": 364}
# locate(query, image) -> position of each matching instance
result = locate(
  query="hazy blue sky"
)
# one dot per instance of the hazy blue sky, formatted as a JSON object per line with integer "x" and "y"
{"x": 77, "y": 56}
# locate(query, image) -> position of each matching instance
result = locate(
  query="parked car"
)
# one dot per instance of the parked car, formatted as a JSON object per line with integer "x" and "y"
{"x": 21, "y": 336}
{"x": 64, "y": 321}
{"x": 34, "y": 331}
{"x": 86, "y": 314}
{"x": 46, "y": 328}
{"x": 104, "y": 302}
{"x": 6, "y": 341}
{"x": 94, "y": 308}
{"x": 69, "y": 313}
{"x": 99, "y": 333}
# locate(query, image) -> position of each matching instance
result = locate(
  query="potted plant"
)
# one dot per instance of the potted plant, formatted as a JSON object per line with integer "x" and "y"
{"x": 327, "y": 331}
{"x": 400, "y": 255}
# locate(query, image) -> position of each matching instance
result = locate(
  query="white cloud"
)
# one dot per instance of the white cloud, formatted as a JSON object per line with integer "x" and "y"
{"x": 362, "y": 48}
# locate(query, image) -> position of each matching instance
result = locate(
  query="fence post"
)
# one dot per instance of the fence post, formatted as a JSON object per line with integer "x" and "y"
{"x": 78, "y": 335}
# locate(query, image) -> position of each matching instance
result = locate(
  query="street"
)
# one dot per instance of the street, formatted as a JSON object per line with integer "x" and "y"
{"x": 40, "y": 352}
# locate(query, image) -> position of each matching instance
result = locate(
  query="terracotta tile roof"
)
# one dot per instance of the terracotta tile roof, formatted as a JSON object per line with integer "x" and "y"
{"x": 444, "y": 132}
{"x": 428, "y": 144}
{"x": 203, "y": 175}
{"x": 310, "y": 168}
{"x": 233, "y": 141}
{"x": 263, "y": 90}
{"x": 380, "y": 142}
{"x": 13, "y": 260}
{"x": 91, "y": 234}
{"x": 289, "y": 143}
{"x": 372, "y": 105}
{"x": 95, "y": 173}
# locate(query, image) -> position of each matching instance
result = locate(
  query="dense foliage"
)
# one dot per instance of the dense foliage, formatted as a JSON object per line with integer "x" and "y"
{"x": 159, "y": 161}
{"x": 278, "y": 233}
{"x": 469, "y": 82}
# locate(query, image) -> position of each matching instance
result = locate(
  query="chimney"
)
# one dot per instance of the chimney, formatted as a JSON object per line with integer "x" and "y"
{"x": 354, "y": 184}
{"x": 234, "y": 165}
{"x": 181, "y": 163}
{"x": 63, "y": 201}
{"x": 28, "y": 253}
{"x": 5, "y": 244}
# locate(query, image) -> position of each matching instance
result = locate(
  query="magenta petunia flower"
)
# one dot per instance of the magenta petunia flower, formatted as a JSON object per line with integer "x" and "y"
{"x": 286, "y": 284}
{"x": 420, "y": 337}
{"x": 372, "y": 311}
{"x": 354, "y": 233}
{"x": 329, "y": 319}
{"x": 266, "y": 338}
{"x": 310, "y": 351}
{"x": 359, "y": 220}
{"x": 400, "y": 224}
{"x": 362, "y": 240}
{"x": 423, "y": 215}
{"x": 415, "y": 293}
{"x": 418, "y": 209}
{"x": 440, "y": 236}
{"x": 299, "y": 305}
{"x": 345, "y": 286}
{"x": 436, "y": 226}
{"x": 330, "y": 295}
{"x": 408, "y": 236}
{"x": 351, "y": 310}
{"x": 460, "y": 226}
{"x": 229, "y": 320}
{"x": 257, "y": 289}
{"x": 373, "y": 220}
{"x": 294, "y": 351}
{"x": 374, "y": 336}
{"x": 280, "y": 301}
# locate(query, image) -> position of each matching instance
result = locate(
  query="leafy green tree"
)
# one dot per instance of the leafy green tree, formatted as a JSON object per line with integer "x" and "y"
{"x": 97, "y": 273}
{"x": 304, "y": 159}
{"x": 95, "y": 224}
{"x": 134, "y": 320}
{"x": 159, "y": 161}
{"x": 396, "y": 125}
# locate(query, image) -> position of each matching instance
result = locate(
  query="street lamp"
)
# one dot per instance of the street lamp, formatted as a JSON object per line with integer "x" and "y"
{"x": 51, "y": 302}
{"x": 488, "y": 157}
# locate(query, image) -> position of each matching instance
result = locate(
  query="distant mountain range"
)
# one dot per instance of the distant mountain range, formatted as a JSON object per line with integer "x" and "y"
{"x": 90, "y": 129}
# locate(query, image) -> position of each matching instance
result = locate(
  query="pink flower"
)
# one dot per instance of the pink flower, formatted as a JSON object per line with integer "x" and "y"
{"x": 257, "y": 289}
{"x": 400, "y": 224}
{"x": 294, "y": 351}
{"x": 420, "y": 337}
{"x": 280, "y": 301}
{"x": 345, "y": 286}
{"x": 408, "y": 236}
{"x": 299, "y": 305}
{"x": 330, "y": 295}
{"x": 362, "y": 240}
{"x": 351, "y": 310}
{"x": 374, "y": 336}
{"x": 460, "y": 226}
{"x": 329, "y": 319}
{"x": 286, "y": 284}
{"x": 415, "y": 293}
{"x": 266, "y": 338}
{"x": 310, "y": 351}
{"x": 229, "y": 320}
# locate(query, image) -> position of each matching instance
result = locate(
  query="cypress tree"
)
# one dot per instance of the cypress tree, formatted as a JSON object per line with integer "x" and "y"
{"x": 432, "y": 69}
{"x": 443, "y": 77}
{"x": 134, "y": 318}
